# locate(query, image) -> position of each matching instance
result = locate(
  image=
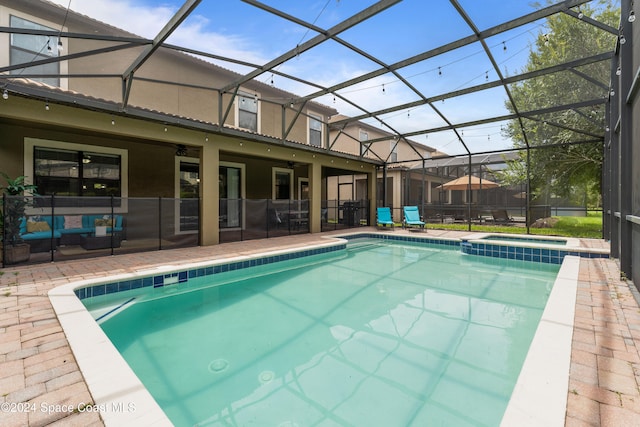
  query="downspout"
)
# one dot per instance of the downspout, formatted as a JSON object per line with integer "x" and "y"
{"x": 528, "y": 192}
{"x": 469, "y": 196}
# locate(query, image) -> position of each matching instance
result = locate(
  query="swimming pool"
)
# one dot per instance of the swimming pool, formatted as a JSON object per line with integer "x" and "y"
{"x": 360, "y": 337}
{"x": 539, "y": 397}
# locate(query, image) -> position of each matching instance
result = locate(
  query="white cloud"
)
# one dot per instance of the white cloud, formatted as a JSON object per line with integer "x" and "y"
{"x": 147, "y": 21}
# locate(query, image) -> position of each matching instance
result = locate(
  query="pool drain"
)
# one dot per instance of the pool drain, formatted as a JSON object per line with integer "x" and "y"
{"x": 218, "y": 366}
{"x": 266, "y": 377}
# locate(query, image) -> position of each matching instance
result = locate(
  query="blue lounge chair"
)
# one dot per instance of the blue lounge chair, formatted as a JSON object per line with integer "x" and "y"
{"x": 412, "y": 217}
{"x": 384, "y": 217}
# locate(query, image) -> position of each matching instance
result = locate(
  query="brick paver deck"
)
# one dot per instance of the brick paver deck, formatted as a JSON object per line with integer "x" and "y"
{"x": 40, "y": 383}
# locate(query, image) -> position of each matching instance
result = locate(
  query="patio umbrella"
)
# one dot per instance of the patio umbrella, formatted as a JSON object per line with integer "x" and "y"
{"x": 462, "y": 183}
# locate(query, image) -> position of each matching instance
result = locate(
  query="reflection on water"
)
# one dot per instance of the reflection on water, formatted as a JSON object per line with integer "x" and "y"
{"x": 390, "y": 335}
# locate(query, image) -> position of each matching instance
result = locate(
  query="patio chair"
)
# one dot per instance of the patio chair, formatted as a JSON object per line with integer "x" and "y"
{"x": 412, "y": 217}
{"x": 501, "y": 216}
{"x": 384, "y": 218}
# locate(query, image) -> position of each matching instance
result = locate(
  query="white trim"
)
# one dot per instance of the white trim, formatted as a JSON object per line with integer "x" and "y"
{"x": 31, "y": 143}
{"x": 176, "y": 183}
{"x": 275, "y": 170}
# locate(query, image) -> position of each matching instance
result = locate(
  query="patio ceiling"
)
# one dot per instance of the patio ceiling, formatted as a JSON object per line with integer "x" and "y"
{"x": 448, "y": 91}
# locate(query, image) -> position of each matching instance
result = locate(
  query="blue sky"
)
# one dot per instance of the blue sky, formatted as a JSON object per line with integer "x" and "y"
{"x": 235, "y": 29}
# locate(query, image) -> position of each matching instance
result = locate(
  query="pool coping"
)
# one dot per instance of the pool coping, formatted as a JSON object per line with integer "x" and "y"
{"x": 572, "y": 242}
{"x": 540, "y": 395}
{"x": 116, "y": 389}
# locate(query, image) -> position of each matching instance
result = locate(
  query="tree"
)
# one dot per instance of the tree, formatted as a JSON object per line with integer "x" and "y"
{"x": 574, "y": 136}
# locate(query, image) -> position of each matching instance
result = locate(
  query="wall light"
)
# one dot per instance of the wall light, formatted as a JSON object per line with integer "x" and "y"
{"x": 632, "y": 16}
{"x": 5, "y": 94}
{"x": 181, "y": 150}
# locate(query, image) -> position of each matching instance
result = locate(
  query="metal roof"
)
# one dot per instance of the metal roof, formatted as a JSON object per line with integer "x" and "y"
{"x": 421, "y": 97}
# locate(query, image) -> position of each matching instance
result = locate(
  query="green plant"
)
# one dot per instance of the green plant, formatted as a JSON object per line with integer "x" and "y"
{"x": 12, "y": 207}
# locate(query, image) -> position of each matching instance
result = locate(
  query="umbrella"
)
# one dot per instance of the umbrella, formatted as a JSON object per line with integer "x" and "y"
{"x": 462, "y": 183}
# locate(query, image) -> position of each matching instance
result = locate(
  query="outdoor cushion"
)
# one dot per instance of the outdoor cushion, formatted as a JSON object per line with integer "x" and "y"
{"x": 72, "y": 221}
{"x": 101, "y": 222}
{"x": 34, "y": 226}
{"x": 40, "y": 235}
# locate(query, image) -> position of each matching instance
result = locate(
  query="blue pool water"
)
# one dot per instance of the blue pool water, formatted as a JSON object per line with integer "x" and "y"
{"x": 382, "y": 334}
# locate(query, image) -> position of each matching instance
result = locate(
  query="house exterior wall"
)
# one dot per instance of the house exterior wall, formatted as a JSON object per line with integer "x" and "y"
{"x": 147, "y": 143}
{"x": 170, "y": 82}
{"x": 150, "y": 152}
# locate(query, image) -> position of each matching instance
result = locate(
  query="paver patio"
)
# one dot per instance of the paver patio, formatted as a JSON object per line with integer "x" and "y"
{"x": 41, "y": 384}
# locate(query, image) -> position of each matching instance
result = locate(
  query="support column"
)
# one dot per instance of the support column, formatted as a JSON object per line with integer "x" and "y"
{"x": 315, "y": 197}
{"x": 372, "y": 183}
{"x": 209, "y": 195}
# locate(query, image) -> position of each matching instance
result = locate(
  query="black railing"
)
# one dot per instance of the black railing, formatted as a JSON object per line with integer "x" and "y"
{"x": 55, "y": 228}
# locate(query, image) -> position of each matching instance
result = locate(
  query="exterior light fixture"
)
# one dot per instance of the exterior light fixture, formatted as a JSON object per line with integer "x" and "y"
{"x": 632, "y": 16}
{"x": 113, "y": 122}
{"x": 623, "y": 39}
{"x": 612, "y": 93}
{"x": 5, "y": 94}
{"x": 46, "y": 106}
{"x": 181, "y": 150}
{"x": 618, "y": 71}
{"x": 60, "y": 47}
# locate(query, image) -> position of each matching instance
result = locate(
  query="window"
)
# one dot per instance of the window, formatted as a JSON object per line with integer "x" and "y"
{"x": 315, "y": 131}
{"x": 364, "y": 146}
{"x": 27, "y": 48}
{"x": 282, "y": 183}
{"x": 394, "y": 152}
{"x": 248, "y": 111}
{"x": 76, "y": 173}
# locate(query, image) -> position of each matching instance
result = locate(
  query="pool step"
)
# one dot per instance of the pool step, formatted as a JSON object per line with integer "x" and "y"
{"x": 102, "y": 314}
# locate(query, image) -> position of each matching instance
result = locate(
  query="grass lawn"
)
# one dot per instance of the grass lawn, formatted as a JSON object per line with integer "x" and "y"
{"x": 567, "y": 226}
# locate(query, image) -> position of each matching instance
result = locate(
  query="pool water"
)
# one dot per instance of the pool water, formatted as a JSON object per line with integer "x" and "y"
{"x": 385, "y": 334}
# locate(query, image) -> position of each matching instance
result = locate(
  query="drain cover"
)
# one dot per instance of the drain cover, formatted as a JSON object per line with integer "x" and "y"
{"x": 266, "y": 377}
{"x": 218, "y": 365}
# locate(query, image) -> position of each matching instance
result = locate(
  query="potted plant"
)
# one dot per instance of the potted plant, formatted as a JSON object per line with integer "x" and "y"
{"x": 12, "y": 211}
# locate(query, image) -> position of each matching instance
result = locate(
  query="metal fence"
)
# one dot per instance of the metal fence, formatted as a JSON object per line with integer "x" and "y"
{"x": 621, "y": 169}
{"x": 57, "y": 228}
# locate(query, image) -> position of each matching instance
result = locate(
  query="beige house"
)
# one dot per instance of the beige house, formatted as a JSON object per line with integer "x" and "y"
{"x": 404, "y": 185}
{"x": 90, "y": 111}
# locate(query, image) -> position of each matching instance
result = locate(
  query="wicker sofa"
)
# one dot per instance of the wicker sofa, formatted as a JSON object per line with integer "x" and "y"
{"x": 44, "y": 232}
